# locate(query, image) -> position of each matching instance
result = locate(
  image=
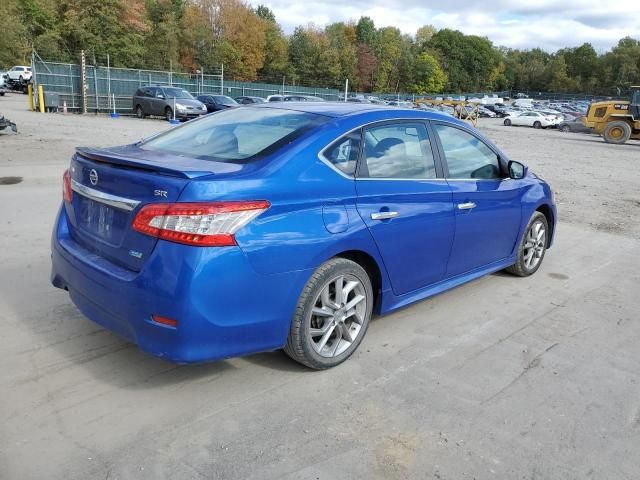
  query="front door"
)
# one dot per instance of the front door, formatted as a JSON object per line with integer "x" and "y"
{"x": 406, "y": 207}
{"x": 487, "y": 205}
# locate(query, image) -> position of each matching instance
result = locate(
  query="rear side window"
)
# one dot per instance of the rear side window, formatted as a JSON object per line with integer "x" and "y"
{"x": 467, "y": 156}
{"x": 343, "y": 153}
{"x": 400, "y": 150}
{"x": 236, "y": 135}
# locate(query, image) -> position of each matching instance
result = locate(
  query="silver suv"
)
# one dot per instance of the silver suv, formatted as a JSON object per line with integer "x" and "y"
{"x": 161, "y": 101}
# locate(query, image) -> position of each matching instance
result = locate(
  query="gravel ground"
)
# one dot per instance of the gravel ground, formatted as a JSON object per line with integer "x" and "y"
{"x": 502, "y": 378}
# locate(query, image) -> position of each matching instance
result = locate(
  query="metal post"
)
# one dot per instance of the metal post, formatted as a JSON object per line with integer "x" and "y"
{"x": 171, "y": 72}
{"x": 73, "y": 99}
{"x": 95, "y": 86}
{"x": 109, "y": 83}
{"x": 282, "y": 85}
{"x": 222, "y": 79}
{"x": 346, "y": 89}
{"x": 83, "y": 67}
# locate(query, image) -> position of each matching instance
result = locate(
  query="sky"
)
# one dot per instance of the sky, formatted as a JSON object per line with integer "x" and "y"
{"x": 548, "y": 24}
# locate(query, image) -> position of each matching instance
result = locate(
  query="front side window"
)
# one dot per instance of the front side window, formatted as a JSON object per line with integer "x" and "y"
{"x": 467, "y": 156}
{"x": 400, "y": 150}
{"x": 235, "y": 135}
{"x": 343, "y": 153}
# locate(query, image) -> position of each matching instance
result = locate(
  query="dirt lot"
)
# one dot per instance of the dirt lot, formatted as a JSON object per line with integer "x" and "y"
{"x": 502, "y": 378}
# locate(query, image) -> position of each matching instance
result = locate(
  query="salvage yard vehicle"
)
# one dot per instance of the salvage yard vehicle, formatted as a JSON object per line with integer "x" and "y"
{"x": 215, "y": 103}
{"x": 574, "y": 126}
{"x": 529, "y": 119}
{"x": 20, "y": 72}
{"x": 617, "y": 121}
{"x": 161, "y": 100}
{"x": 286, "y": 225}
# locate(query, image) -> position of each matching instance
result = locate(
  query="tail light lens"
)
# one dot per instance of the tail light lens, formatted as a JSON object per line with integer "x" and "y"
{"x": 205, "y": 224}
{"x": 67, "y": 193}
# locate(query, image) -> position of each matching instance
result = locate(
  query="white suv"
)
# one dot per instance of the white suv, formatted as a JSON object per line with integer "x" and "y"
{"x": 20, "y": 72}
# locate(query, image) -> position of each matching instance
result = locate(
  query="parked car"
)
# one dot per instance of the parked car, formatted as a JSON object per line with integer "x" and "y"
{"x": 529, "y": 119}
{"x": 20, "y": 72}
{"x": 215, "y": 103}
{"x": 498, "y": 108}
{"x": 249, "y": 100}
{"x": 274, "y": 98}
{"x": 260, "y": 228}
{"x": 485, "y": 112}
{"x": 302, "y": 98}
{"x": 161, "y": 101}
{"x": 575, "y": 125}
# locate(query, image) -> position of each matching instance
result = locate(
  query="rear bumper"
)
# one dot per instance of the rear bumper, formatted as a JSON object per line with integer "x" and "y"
{"x": 223, "y": 307}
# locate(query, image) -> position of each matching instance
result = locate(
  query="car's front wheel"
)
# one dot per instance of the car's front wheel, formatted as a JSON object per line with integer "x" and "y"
{"x": 507, "y": 122}
{"x": 168, "y": 113}
{"x": 532, "y": 247}
{"x": 537, "y": 124}
{"x": 565, "y": 128}
{"x": 332, "y": 315}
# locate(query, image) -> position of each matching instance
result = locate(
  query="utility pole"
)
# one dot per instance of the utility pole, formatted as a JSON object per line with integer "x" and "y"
{"x": 346, "y": 89}
{"x": 83, "y": 67}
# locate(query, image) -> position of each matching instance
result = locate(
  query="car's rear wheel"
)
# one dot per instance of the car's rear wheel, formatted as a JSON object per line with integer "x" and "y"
{"x": 532, "y": 247}
{"x": 332, "y": 315}
{"x": 168, "y": 113}
{"x": 537, "y": 124}
{"x": 507, "y": 122}
{"x": 565, "y": 128}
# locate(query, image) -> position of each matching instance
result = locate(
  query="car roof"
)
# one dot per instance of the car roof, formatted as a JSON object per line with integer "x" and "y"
{"x": 344, "y": 109}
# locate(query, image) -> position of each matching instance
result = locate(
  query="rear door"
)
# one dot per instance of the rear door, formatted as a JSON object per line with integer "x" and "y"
{"x": 487, "y": 205}
{"x": 406, "y": 207}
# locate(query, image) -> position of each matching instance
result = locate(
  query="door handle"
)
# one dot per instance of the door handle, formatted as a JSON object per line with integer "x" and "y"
{"x": 466, "y": 206}
{"x": 384, "y": 215}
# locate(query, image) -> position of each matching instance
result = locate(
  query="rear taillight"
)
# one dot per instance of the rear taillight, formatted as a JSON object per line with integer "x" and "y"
{"x": 205, "y": 224}
{"x": 67, "y": 193}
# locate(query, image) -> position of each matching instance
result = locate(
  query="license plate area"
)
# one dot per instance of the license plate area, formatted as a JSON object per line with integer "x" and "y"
{"x": 102, "y": 221}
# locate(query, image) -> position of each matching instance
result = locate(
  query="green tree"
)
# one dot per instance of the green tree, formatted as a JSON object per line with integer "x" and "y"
{"x": 366, "y": 31}
{"x": 276, "y": 54}
{"x": 429, "y": 77}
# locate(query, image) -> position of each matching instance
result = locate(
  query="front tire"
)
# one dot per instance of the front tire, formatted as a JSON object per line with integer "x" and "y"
{"x": 507, "y": 123}
{"x": 168, "y": 114}
{"x": 332, "y": 315}
{"x": 532, "y": 247}
{"x": 565, "y": 128}
{"x": 139, "y": 112}
{"x": 537, "y": 124}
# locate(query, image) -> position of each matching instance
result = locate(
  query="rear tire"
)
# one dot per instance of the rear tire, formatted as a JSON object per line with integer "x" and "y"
{"x": 332, "y": 315}
{"x": 617, "y": 132}
{"x": 140, "y": 112}
{"x": 537, "y": 124}
{"x": 565, "y": 129}
{"x": 532, "y": 247}
{"x": 507, "y": 123}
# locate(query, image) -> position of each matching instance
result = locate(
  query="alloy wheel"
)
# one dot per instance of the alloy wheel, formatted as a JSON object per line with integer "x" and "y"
{"x": 338, "y": 315}
{"x": 534, "y": 245}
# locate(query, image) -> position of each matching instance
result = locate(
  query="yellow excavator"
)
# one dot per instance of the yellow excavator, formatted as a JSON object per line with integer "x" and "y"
{"x": 616, "y": 120}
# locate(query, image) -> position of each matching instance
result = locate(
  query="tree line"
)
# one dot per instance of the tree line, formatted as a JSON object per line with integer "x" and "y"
{"x": 192, "y": 35}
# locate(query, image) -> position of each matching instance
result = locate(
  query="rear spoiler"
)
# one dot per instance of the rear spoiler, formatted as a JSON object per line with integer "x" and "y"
{"x": 185, "y": 168}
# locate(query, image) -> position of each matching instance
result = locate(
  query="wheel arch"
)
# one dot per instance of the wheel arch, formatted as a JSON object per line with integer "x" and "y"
{"x": 372, "y": 268}
{"x": 547, "y": 211}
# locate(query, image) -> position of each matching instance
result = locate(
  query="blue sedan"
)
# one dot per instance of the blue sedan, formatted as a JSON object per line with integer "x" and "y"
{"x": 288, "y": 225}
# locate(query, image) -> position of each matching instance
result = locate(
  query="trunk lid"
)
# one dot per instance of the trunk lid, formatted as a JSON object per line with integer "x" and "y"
{"x": 109, "y": 188}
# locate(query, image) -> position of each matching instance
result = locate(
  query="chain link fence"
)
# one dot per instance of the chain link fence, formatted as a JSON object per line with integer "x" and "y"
{"x": 108, "y": 88}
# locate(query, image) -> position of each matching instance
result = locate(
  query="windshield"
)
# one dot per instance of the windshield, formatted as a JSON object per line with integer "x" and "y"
{"x": 224, "y": 100}
{"x": 177, "y": 93}
{"x": 235, "y": 135}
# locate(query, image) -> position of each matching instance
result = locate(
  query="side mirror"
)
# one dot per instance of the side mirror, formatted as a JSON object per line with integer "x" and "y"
{"x": 160, "y": 96}
{"x": 517, "y": 170}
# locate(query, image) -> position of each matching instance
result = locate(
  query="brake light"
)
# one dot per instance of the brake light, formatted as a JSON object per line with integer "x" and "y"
{"x": 205, "y": 224}
{"x": 67, "y": 193}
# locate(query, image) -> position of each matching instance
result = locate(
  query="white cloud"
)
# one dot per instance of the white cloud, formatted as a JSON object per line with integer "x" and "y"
{"x": 549, "y": 24}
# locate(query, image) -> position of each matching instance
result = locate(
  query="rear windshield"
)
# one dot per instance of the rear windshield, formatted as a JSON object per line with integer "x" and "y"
{"x": 236, "y": 135}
